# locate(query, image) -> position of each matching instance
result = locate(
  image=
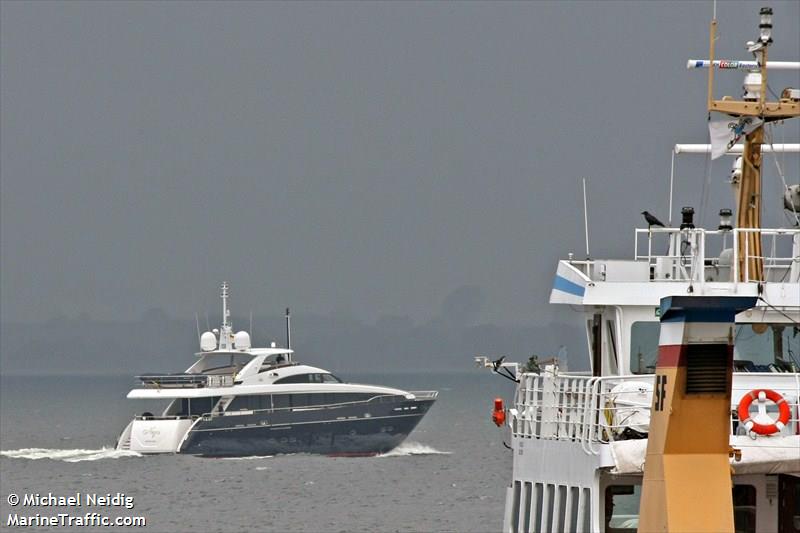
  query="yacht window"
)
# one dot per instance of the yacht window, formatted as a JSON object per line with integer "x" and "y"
{"x": 309, "y": 378}
{"x": 280, "y": 401}
{"x": 744, "y": 508}
{"x": 297, "y": 378}
{"x": 197, "y": 406}
{"x": 767, "y": 347}
{"x": 644, "y": 347}
{"x": 622, "y": 508}
{"x": 251, "y": 402}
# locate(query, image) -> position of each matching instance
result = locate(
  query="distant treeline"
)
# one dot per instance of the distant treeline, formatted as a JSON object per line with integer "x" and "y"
{"x": 158, "y": 343}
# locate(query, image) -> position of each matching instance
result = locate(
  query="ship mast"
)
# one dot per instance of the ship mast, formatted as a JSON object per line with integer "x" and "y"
{"x": 753, "y": 110}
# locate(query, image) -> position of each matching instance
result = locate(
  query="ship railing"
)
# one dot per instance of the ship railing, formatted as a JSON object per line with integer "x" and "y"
{"x": 185, "y": 381}
{"x": 425, "y": 394}
{"x": 573, "y": 407}
{"x": 593, "y": 411}
{"x": 687, "y": 256}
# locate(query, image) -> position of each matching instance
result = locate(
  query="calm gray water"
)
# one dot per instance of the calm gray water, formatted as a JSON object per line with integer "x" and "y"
{"x": 450, "y": 475}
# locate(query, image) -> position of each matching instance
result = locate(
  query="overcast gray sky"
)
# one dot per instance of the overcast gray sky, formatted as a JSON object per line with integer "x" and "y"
{"x": 364, "y": 158}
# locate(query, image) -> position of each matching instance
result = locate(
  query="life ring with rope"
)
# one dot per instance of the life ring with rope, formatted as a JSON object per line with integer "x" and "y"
{"x": 762, "y": 395}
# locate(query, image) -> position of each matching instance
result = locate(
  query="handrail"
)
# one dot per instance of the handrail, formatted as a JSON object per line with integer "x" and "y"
{"x": 185, "y": 381}
{"x": 695, "y": 258}
{"x": 587, "y": 409}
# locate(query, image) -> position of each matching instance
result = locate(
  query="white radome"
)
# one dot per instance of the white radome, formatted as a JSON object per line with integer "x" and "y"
{"x": 208, "y": 342}
{"x": 242, "y": 340}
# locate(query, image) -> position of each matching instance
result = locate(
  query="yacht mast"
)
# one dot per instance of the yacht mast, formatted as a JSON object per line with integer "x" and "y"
{"x": 226, "y": 333}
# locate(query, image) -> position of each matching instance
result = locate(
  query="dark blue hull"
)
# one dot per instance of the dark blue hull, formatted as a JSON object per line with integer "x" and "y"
{"x": 361, "y": 429}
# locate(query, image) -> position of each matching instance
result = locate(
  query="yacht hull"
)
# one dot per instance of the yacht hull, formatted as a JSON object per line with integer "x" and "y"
{"x": 353, "y": 430}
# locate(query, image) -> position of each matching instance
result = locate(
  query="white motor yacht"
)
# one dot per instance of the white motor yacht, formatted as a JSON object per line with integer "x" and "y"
{"x": 237, "y": 400}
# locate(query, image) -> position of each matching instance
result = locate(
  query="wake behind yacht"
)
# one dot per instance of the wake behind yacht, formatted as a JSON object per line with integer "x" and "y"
{"x": 237, "y": 400}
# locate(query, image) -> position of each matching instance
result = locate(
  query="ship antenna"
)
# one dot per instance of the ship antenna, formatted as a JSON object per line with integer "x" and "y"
{"x": 288, "y": 329}
{"x": 224, "y": 294}
{"x": 585, "y": 219}
{"x": 671, "y": 183}
{"x": 197, "y": 322}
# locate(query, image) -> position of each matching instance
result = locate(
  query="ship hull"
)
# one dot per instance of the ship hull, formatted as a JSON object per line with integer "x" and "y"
{"x": 351, "y": 430}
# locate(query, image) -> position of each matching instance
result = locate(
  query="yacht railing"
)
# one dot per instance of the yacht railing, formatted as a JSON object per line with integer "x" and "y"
{"x": 593, "y": 411}
{"x": 185, "y": 381}
{"x": 425, "y": 394}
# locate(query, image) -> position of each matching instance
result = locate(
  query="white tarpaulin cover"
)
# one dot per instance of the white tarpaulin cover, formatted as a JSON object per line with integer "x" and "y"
{"x": 631, "y": 401}
{"x": 764, "y": 455}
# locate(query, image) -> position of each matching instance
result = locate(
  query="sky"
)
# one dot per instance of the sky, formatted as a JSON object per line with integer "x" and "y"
{"x": 361, "y": 159}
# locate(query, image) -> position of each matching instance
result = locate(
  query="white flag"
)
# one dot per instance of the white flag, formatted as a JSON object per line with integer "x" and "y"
{"x": 725, "y": 133}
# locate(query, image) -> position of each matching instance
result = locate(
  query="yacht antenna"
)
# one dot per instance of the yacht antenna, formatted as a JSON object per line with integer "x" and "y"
{"x": 288, "y": 329}
{"x": 585, "y": 219}
{"x": 226, "y": 314}
{"x": 197, "y": 322}
{"x": 226, "y": 332}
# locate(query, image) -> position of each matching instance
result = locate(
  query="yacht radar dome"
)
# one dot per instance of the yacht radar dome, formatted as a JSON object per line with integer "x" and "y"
{"x": 242, "y": 340}
{"x": 208, "y": 342}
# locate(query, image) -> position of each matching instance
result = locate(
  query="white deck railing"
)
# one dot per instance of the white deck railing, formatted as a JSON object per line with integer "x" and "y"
{"x": 687, "y": 257}
{"x": 589, "y": 410}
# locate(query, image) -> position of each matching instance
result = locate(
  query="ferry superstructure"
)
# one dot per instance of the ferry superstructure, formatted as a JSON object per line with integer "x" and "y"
{"x": 689, "y": 419}
{"x": 237, "y": 400}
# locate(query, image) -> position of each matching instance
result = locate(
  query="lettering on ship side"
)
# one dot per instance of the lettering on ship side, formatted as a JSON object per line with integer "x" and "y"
{"x": 660, "y": 393}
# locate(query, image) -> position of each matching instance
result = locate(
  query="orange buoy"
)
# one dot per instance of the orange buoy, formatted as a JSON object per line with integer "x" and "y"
{"x": 499, "y": 413}
{"x": 762, "y": 395}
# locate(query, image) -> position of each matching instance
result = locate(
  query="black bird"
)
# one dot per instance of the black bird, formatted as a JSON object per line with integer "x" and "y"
{"x": 651, "y": 220}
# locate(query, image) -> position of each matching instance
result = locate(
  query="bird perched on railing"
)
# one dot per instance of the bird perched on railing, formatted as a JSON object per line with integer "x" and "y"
{"x": 651, "y": 220}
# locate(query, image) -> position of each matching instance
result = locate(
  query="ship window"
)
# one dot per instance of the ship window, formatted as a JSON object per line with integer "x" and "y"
{"x": 767, "y": 347}
{"x": 309, "y": 378}
{"x": 744, "y": 508}
{"x": 612, "y": 347}
{"x": 297, "y": 378}
{"x": 612, "y": 340}
{"x": 197, "y": 406}
{"x": 250, "y": 402}
{"x": 622, "y": 508}
{"x": 280, "y": 401}
{"x": 644, "y": 347}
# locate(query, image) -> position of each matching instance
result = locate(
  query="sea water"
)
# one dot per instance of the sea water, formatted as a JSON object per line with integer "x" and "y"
{"x": 57, "y": 436}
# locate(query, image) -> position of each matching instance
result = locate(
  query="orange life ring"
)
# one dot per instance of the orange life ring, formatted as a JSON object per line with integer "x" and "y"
{"x": 499, "y": 413}
{"x": 762, "y": 429}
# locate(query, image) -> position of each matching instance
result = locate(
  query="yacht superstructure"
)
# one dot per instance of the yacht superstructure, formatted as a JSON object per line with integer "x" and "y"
{"x": 237, "y": 400}
{"x": 694, "y": 339}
